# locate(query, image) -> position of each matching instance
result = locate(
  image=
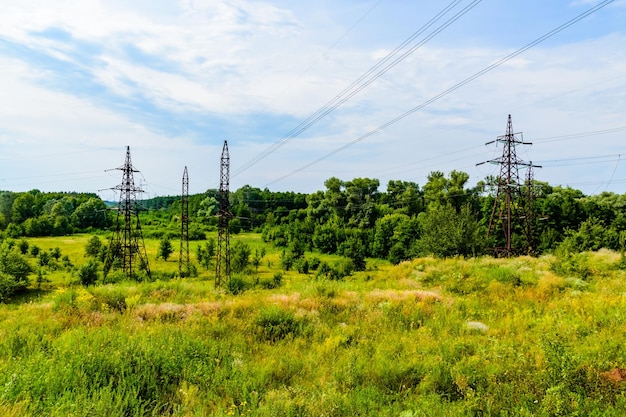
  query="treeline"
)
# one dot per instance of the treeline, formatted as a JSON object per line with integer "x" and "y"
{"x": 36, "y": 213}
{"x": 444, "y": 217}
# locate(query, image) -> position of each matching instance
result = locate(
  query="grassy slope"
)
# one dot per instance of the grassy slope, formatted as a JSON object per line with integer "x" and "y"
{"x": 429, "y": 337}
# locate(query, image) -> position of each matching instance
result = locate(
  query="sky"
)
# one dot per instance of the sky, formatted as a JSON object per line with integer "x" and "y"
{"x": 80, "y": 80}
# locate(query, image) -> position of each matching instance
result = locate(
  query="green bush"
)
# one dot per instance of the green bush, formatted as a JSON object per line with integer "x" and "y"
{"x": 236, "y": 285}
{"x": 88, "y": 273}
{"x": 275, "y": 324}
{"x": 8, "y": 286}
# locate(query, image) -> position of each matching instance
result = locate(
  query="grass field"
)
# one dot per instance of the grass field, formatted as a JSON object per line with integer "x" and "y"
{"x": 457, "y": 337}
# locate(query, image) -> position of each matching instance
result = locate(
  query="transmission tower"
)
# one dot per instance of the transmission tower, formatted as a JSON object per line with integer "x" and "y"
{"x": 510, "y": 208}
{"x": 529, "y": 212}
{"x": 127, "y": 240}
{"x": 222, "y": 264}
{"x": 183, "y": 260}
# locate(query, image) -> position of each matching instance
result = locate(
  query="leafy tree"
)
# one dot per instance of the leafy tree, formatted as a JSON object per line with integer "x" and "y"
{"x": 23, "y": 246}
{"x": 14, "y": 270}
{"x": 23, "y": 208}
{"x": 6, "y": 207}
{"x": 446, "y": 233}
{"x": 361, "y": 196}
{"x": 165, "y": 249}
{"x": 240, "y": 256}
{"x": 88, "y": 273}
{"x": 91, "y": 213}
{"x": 441, "y": 191}
{"x": 55, "y": 253}
{"x": 44, "y": 258}
{"x": 257, "y": 259}
{"x": 405, "y": 197}
{"x": 286, "y": 260}
{"x": 93, "y": 246}
{"x": 206, "y": 253}
{"x": 354, "y": 249}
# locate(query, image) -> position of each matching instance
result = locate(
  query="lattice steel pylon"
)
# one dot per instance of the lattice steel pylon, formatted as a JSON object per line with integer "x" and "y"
{"x": 183, "y": 260}
{"x": 529, "y": 211}
{"x": 222, "y": 263}
{"x": 127, "y": 241}
{"x": 509, "y": 205}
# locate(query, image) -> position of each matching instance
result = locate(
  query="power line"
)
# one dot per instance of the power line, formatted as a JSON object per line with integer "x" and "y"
{"x": 453, "y": 88}
{"x": 365, "y": 79}
{"x": 312, "y": 64}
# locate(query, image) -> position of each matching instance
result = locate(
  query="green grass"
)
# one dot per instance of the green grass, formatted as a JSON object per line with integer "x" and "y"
{"x": 457, "y": 337}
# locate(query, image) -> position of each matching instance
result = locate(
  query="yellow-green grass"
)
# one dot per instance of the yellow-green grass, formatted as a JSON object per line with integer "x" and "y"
{"x": 523, "y": 336}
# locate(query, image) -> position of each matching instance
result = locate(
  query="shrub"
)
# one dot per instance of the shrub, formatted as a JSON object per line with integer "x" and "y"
{"x": 236, "y": 285}
{"x": 23, "y": 246}
{"x": 165, "y": 249}
{"x": 275, "y": 324}
{"x": 93, "y": 246}
{"x": 8, "y": 286}
{"x": 88, "y": 273}
{"x": 14, "y": 271}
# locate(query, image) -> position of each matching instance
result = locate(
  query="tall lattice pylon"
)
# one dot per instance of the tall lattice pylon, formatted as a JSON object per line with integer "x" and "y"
{"x": 508, "y": 212}
{"x": 127, "y": 242}
{"x": 183, "y": 260}
{"x": 222, "y": 263}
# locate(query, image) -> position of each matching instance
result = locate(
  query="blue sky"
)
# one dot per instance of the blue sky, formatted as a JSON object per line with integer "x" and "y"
{"x": 80, "y": 80}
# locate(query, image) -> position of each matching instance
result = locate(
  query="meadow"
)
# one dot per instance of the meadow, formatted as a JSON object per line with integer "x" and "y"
{"x": 428, "y": 337}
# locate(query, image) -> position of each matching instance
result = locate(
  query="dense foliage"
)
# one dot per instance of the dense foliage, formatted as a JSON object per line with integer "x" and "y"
{"x": 353, "y": 218}
{"x": 35, "y": 213}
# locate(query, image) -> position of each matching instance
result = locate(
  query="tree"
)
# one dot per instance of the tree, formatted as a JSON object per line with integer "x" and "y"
{"x": 23, "y": 208}
{"x": 240, "y": 256}
{"x": 93, "y": 246}
{"x": 14, "y": 271}
{"x": 361, "y": 197}
{"x": 354, "y": 249}
{"x": 165, "y": 249}
{"x": 206, "y": 253}
{"x": 257, "y": 259}
{"x": 88, "y": 273}
{"x": 91, "y": 213}
{"x": 446, "y": 233}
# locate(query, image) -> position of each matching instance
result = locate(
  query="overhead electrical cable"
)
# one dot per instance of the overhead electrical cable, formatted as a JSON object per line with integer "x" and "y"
{"x": 312, "y": 64}
{"x": 365, "y": 79}
{"x": 451, "y": 89}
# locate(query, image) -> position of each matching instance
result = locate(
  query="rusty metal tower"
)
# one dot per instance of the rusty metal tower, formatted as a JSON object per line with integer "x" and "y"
{"x": 222, "y": 264}
{"x": 127, "y": 241}
{"x": 183, "y": 260}
{"x": 510, "y": 207}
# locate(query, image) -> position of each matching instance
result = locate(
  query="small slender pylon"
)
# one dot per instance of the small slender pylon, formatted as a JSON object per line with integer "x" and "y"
{"x": 183, "y": 260}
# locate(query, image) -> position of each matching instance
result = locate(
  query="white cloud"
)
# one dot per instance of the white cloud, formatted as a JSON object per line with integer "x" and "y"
{"x": 232, "y": 59}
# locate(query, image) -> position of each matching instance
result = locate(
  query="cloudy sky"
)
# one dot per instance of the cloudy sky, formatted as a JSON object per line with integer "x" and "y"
{"x": 306, "y": 90}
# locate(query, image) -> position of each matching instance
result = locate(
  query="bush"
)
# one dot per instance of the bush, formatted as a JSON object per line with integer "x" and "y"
{"x": 236, "y": 285}
{"x": 8, "y": 286}
{"x": 275, "y": 324}
{"x": 14, "y": 271}
{"x": 93, "y": 246}
{"x": 165, "y": 249}
{"x": 88, "y": 273}
{"x": 23, "y": 246}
